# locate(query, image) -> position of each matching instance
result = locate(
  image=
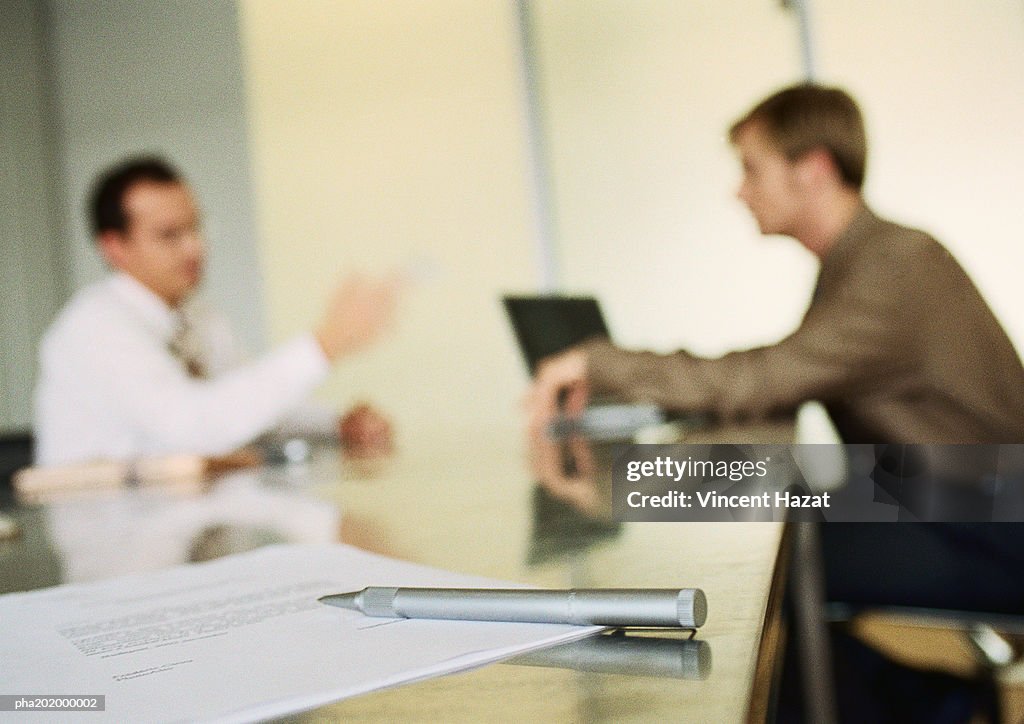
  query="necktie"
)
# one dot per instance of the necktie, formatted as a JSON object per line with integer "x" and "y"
{"x": 185, "y": 345}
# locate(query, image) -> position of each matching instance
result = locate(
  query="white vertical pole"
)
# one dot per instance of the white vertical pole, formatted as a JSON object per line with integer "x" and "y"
{"x": 803, "y": 19}
{"x": 545, "y": 243}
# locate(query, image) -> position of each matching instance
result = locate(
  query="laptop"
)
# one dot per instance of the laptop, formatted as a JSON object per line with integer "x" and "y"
{"x": 547, "y": 324}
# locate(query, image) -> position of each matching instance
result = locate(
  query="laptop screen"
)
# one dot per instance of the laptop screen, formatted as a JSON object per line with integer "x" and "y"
{"x": 547, "y": 324}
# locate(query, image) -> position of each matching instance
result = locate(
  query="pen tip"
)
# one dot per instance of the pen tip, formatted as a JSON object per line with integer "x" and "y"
{"x": 341, "y": 600}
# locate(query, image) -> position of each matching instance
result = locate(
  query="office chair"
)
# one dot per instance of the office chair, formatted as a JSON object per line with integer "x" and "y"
{"x": 16, "y": 452}
{"x": 974, "y": 582}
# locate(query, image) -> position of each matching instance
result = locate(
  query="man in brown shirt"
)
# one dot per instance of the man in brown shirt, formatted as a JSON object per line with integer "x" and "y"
{"x": 897, "y": 343}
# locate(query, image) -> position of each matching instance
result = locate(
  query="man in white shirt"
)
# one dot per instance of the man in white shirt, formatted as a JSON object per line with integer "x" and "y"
{"x": 135, "y": 365}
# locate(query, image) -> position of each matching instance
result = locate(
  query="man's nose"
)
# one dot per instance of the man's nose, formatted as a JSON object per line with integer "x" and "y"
{"x": 195, "y": 243}
{"x": 742, "y": 192}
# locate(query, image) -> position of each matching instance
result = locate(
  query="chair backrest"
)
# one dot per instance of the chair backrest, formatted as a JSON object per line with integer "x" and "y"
{"x": 16, "y": 450}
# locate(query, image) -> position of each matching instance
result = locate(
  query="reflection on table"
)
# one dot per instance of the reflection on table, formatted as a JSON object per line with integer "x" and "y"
{"x": 633, "y": 654}
{"x": 475, "y": 509}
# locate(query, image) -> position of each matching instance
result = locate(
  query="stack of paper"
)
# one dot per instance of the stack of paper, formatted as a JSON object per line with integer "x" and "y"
{"x": 241, "y": 638}
{"x": 168, "y": 473}
{"x": 183, "y": 473}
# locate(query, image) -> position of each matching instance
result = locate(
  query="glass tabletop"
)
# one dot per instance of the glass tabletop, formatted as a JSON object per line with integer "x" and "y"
{"x": 483, "y": 509}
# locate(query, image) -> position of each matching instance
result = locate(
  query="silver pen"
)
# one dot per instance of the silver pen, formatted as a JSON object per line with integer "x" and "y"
{"x": 646, "y": 607}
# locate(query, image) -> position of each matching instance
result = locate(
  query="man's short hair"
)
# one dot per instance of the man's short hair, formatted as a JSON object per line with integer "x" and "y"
{"x": 805, "y": 117}
{"x": 106, "y": 206}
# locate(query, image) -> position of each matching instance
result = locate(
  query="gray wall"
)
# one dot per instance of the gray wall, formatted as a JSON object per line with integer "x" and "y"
{"x": 124, "y": 77}
{"x": 137, "y": 76}
{"x": 32, "y": 277}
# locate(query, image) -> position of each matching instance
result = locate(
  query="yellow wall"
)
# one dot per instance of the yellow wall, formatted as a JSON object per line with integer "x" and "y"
{"x": 942, "y": 85}
{"x": 640, "y": 96}
{"x": 384, "y": 131}
{"x": 641, "y": 93}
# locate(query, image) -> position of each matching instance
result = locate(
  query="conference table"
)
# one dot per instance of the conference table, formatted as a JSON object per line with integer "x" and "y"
{"x": 478, "y": 505}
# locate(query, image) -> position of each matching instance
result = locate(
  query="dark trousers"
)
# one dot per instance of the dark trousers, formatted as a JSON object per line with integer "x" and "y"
{"x": 975, "y": 567}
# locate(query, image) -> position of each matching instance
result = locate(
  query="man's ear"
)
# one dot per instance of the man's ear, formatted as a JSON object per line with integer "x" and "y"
{"x": 112, "y": 246}
{"x": 815, "y": 166}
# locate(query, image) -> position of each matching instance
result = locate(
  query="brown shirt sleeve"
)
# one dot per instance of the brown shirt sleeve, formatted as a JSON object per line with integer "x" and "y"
{"x": 857, "y": 330}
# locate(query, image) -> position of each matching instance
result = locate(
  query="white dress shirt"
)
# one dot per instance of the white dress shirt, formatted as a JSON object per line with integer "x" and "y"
{"x": 109, "y": 386}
